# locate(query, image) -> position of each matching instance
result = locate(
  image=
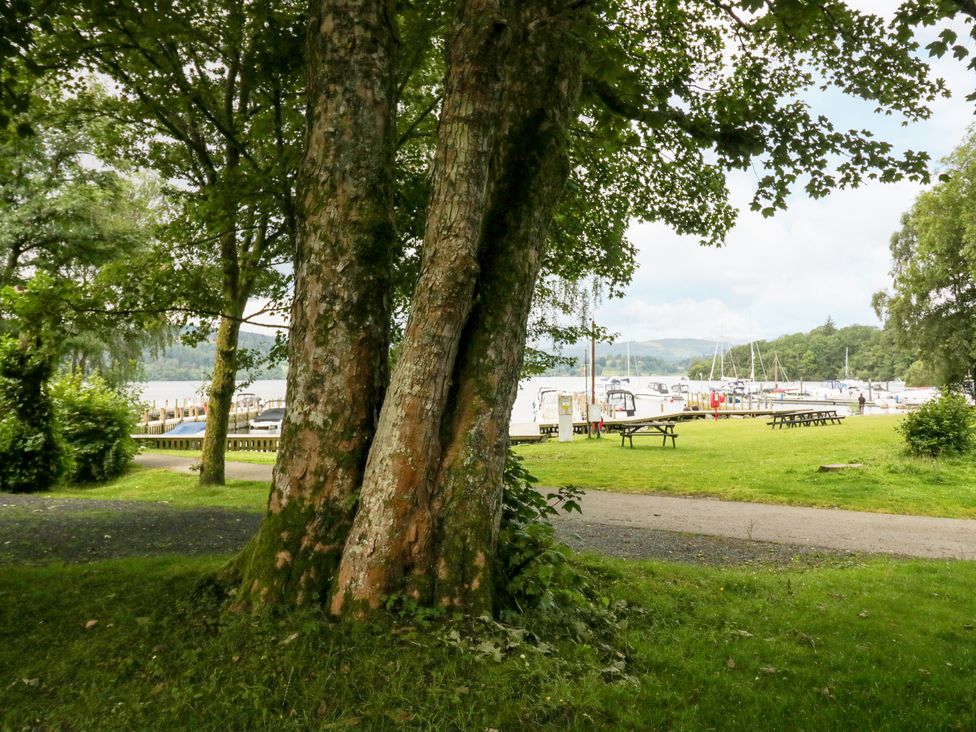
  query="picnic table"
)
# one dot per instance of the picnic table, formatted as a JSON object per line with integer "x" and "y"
{"x": 806, "y": 418}
{"x": 652, "y": 428}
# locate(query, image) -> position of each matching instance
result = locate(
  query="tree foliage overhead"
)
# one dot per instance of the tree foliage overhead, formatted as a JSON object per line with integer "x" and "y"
{"x": 677, "y": 94}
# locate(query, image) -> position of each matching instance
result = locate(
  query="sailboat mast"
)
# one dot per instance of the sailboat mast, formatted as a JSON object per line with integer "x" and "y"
{"x": 593, "y": 363}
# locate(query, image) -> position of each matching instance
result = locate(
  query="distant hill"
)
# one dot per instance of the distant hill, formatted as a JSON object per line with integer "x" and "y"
{"x": 183, "y": 363}
{"x": 663, "y": 356}
{"x": 666, "y": 349}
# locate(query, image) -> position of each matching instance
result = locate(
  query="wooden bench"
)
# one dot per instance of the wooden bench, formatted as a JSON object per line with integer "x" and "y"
{"x": 805, "y": 419}
{"x": 651, "y": 429}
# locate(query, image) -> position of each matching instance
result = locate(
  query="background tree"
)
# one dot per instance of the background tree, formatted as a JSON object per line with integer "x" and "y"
{"x": 693, "y": 88}
{"x": 872, "y": 354}
{"x": 69, "y": 217}
{"x": 933, "y": 295}
{"x": 209, "y": 95}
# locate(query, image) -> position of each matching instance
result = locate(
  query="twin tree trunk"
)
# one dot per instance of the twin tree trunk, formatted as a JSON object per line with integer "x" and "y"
{"x": 362, "y": 508}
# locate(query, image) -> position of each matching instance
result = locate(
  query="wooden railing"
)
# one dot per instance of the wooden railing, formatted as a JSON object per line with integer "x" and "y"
{"x": 251, "y": 443}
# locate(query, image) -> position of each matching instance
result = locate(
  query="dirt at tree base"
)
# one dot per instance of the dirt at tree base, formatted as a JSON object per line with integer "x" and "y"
{"x": 40, "y": 529}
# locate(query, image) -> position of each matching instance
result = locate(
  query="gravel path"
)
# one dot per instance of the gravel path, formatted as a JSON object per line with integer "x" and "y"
{"x": 37, "y": 529}
{"x": 700, "y": 531}
{"x": 821, "y": 528}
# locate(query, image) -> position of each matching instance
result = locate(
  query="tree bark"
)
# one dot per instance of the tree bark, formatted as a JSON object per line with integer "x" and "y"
{"x": 339, "y": 337}
{"x": 431, "y": 495}
{"x": 223, "y": 383}
{"x": 388, "y": 550}
{"x": 532, "y": 168}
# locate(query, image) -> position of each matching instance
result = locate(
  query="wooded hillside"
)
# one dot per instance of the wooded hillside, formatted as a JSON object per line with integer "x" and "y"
{"x": 872, "y": 353}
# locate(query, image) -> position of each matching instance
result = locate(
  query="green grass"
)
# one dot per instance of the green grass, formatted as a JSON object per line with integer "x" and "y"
{"x": 233, "y": 456}
{"x": 744, "y": 460}
{"x": 175, "y": 489}
{"x": 881, "y": 645}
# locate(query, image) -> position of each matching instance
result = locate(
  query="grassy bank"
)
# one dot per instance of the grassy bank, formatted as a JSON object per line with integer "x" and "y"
{"x": 744, "y": 460}
{"x": 233, "y": 456}
{"x": 175, "y": 489}
{"x": 868, "y": 646}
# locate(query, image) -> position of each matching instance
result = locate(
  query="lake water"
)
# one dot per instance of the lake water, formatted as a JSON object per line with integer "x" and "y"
{"x": 173, "y": 392}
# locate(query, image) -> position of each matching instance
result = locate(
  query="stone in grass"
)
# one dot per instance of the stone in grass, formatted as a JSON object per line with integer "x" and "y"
{"x": 838, "y": 467}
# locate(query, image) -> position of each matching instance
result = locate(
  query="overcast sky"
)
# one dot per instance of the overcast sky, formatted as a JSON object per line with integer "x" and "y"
{"x": 788, "y": 273}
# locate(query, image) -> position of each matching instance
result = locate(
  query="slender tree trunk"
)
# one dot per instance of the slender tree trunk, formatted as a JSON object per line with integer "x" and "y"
{"x": 10, "y": 266}
{"x": 223, "y": 383}
{"x": 532, "y": 168}
{"x": 339, "y": 337}
{"x": 389, "y": 546}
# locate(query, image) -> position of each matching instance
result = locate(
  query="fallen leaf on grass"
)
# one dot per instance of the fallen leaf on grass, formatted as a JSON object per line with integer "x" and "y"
{"x": 768, "y": 669}
{"x": 863, "y": 614}
{"x": 289, "y": 639}
{"x": 348, "y": 722}
{"x": 742, "y": 633}
{"x": 91, "y": 624}
{"x": 730, "y": 663}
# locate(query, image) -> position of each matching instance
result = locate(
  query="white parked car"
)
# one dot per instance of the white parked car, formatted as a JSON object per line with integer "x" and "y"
{"x": 268, "y": 421}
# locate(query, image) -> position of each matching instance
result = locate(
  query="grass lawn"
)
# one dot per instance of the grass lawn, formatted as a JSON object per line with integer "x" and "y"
{"x": 175, "y": 489}
{"x": 744, "y": 460}
{"x": 233, "y": 456}
{"x": 879, "y": 645}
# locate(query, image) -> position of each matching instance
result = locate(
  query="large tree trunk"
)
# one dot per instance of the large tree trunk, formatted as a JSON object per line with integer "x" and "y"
{"x": 221, "y": 397}
{"x": 431, "y": 495}
{"x": 532, "y": 169}
{"x": 339, "y": 338}
{"x": 388, "y": 550}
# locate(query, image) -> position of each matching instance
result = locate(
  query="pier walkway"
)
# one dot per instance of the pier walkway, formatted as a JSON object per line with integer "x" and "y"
{"x": 835, "y": 529}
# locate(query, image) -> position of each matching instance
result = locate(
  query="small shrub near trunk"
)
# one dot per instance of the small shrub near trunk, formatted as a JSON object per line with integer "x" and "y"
{"x": 97, "y": 423}
{"x": 942, "y": 426}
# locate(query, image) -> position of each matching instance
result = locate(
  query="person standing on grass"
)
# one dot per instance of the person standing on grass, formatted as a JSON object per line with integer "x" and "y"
{"x": 860, "y": 403}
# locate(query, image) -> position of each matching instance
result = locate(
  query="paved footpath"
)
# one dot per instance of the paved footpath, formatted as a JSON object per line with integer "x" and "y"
{"x": 857, "y": 531}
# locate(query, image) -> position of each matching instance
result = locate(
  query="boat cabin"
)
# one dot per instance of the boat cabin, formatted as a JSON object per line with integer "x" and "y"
{"x": 621, "y": 403}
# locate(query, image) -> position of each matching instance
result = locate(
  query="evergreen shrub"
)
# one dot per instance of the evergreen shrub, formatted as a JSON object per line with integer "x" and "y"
{"x": 32, "y": 456}
{"x": 97, "y": 423}
{"x": 942, "y": 426}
